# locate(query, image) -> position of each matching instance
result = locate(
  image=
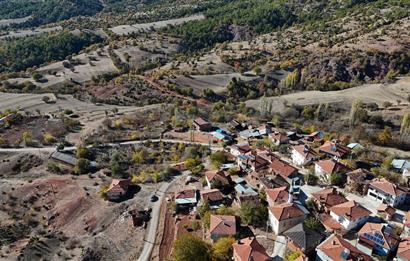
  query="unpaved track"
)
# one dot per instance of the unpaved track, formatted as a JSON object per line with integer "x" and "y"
{"x": 377, "y": 93}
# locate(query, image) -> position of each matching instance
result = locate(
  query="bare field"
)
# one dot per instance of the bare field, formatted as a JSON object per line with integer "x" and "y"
{"x": 6, "y": 22}
{"x": 24, "y": 33}
{"x": 377, "y": 93}
{"x": 86, "y": 111}
{"x": 215, "y": 82}
{"x": 129, "y": 29}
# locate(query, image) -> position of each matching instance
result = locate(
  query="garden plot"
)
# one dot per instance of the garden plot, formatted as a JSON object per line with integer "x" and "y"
{"x": 129, "y": 29}
{"x": 215, "y": 82}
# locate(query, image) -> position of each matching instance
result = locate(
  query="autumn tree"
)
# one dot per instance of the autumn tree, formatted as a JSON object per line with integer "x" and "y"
{"x": 385, "y": 137}
{"x": 222, "y": 250}
{"x": 190, "y": 247}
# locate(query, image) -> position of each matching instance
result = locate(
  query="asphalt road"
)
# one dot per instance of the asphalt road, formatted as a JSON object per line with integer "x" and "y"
{"x": 151, "y": 233}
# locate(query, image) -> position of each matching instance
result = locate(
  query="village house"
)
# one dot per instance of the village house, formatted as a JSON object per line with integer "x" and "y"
{"x": 315, "y": 136}
{"x": 249, "y": 249}
{"x": 325, "y": 168}
{"x": 277, "y": 196}
{"x": 213, "y": 197}
{"x": 350, "y": 214}
{"x": 240, "y": 149}
{"x": 118, "y": 188}
{"x": 216, "y": 179}
{"x": 403, "y": 251}
{"x": 358, "y": 181}
{"x": 334, "y": 149}
{"x": 303, "y": 155}
{"x": 244, "y": 192}
{"x": 406, "y": 224}
{"x": 386, "y": 212}
{"x": 279, "y": 138}
{"x": 251, "y": 163}
{"x": 335, "y": 248}
{"x": 222, "y": 226}
{"x": 303, "y": 239}
{"x": 386, "y": 192}
{"x": 202, "y": 125}
{"x": 327, "y": 198}
{"x": 377, "y": 239}
{"x": 286, "y": 171}
{"x": 186, "y": 199}
{"x": 284, "y": 216}
{"x": 400, "y": 165}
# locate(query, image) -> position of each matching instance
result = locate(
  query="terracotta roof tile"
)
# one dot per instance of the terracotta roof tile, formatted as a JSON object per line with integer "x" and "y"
{"x": 334, "y": 148}
{"x": 282, "y": 168}
{"x": 403, "y": 250}
{"x": 331, "y": 166}
{"x": 188, "y": 193}
{"x": 217, "y": 175}
{"x": 249, "y": 249}
{"x": 278, "y": 195}
{"x": 223, "y": 225}
{"x": 306, "y": 152}
{"x": 351, "y": 210}
{"x": 390, "y": 241}
{"x": 329, "y": 197}
{"x": 387, "y": 187}
{"x": 211, "y": 195}
{"x": 286, "y": 211}
{"x": 334, "y": 246}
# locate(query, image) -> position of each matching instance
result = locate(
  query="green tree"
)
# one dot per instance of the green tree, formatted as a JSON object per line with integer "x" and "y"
{"x": 190, "y": 247}
{"x": 253, "y": 214}
{"x": 312, "y": 223}
{"x": 218, "y": 158}
{"x": 222, "y": 250}
{"x": 82, "y": 166}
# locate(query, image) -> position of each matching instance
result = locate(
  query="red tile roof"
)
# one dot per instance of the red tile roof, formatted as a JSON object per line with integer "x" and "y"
{"x": 306, "y": 152}
{"x": 331, "y": 166}
{"x": 407, "y": 219}
{"x": 217, "y": 175}
{"x": 188, "y": 193}
{"x": 334, "y": 148}
{"x": 351, "y": 210}
{"x": 249, "y": 249}
{"x": 282, "y": 168}
{"x": 286, "y": 211}
{"x": 223, "y": 225}
{"x": 280, "y": 137}
{"x": 278, "y": 195}
{"x": 245, "y": 148}
{"x": 119, "y": 185}
{"x": 201, "y": 121}
{"x": 211, "y": 195}
{"x": 390, "y": 241}
{"x": 329, "y": 197}
{"x": 383, "y": 208}
{"x": 334, "y": 246}
{"x": 403, "y": 250}
{"x": 387, "y": 187}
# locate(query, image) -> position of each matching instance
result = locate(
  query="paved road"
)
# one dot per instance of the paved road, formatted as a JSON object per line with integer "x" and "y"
{"x": 52, "y": 149}
{"x": 151, "y": 232}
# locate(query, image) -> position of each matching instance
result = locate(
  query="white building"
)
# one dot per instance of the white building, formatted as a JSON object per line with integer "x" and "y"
{"x": 387, "y": 192}
{"x": 284, "y": 216}
{"x": 303, "y": 155}
{"x": 350, "y": 214}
